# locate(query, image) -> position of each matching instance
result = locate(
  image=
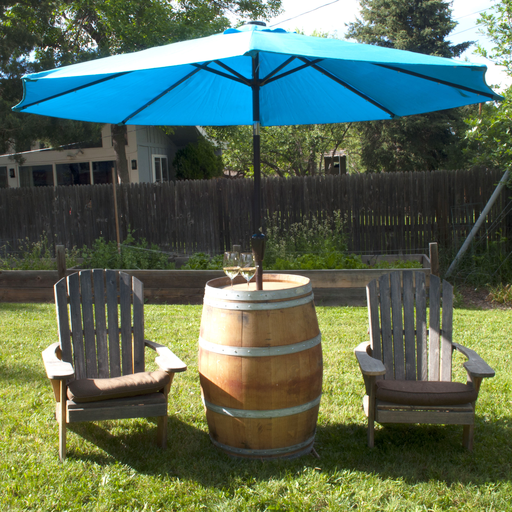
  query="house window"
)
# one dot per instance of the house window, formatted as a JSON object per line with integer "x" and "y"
{"x": 3, "y": 177}
{"x": 36, "y": 175}
{"x": 73, "y": 174}
{"x": 160, "y": 169}
{"x": 102, "y": 172}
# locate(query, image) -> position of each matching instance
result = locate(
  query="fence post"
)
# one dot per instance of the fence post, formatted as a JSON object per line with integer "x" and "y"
{"x": 60, "y": 254}
{"x": 434, "y": 258}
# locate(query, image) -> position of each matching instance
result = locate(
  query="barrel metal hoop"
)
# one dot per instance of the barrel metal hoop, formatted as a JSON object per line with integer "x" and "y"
{"x": 267, "y": 413}
{"x": 304, "y": 446}
{"x": 280, "y": 350}
{"x": 258, "y": 306}
{"x": 256, "y": 295}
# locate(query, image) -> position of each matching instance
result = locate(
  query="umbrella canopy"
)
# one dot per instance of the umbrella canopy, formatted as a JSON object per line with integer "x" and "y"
{"x": 216, "y": 80}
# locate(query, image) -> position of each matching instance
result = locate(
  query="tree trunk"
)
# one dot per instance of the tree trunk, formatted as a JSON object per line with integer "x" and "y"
{"x": 119, "y": 142}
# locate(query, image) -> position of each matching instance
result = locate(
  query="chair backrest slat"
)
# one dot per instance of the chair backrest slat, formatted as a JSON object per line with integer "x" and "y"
{"x": 434, "y": 328}
{"x": 101, "y": 323}
{"x": 373, "y": 319}
{"x": 91, "y": 367}
{"x": 409, "y": 334}
{"x": 113, "y": 324}
{"x": 138, "y": 325}
{"x": 61, "y": 305}
{"x": 398, "y": 327}
{"x": 76, "y": 326}
{"x": 125, "y": 292}
{"x": 421, "y": 326}
{"x": 385, "y": 325}
{"x": 446, "y": 333}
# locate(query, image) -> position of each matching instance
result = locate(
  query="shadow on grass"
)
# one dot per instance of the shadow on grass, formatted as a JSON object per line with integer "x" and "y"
{"x": 413, "y": 453}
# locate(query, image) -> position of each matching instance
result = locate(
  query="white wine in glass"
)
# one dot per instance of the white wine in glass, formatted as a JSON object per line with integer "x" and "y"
{"x": 231, "y": 265}
{"x": 247, "y": 266}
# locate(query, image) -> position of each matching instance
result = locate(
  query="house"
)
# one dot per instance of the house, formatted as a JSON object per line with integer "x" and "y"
{"x": 149, "y": 151}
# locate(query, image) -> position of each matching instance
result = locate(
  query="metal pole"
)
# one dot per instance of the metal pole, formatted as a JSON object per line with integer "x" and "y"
{"x": 478, "y": 223}
{"x": 258, "y": 238}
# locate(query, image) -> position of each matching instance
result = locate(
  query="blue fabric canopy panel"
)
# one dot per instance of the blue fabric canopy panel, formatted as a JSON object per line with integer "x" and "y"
{"x": 211, "y": 81}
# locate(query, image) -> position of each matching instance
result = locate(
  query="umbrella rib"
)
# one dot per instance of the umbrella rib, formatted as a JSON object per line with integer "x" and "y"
{"x": 156, "y": 98}
{"x": 432, "y": 79}
{"x": 96, "y": 82}
{"x": 242, "y": 79}
{"x": 350, "y": 88}
{"x": 271, "y": 78}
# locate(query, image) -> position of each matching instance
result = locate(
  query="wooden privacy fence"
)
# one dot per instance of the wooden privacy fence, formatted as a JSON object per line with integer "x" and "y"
{"x": 393, "y": 212}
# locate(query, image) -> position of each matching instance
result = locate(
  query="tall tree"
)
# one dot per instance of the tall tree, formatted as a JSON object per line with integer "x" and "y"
{"x": 425, "y": 142}
{"x": 43, "y": 34}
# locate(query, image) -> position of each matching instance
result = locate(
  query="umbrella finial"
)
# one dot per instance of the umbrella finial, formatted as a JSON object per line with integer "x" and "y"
{"x": 260, "y": 23}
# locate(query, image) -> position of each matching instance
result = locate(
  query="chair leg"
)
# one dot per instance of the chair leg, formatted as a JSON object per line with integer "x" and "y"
{"x": 161, "y": 432}
{"x": 467, "y": 437}
{"x": 62, "y": 420}
{"x": 371, "y": 427}
{"x": 371, "y": 413}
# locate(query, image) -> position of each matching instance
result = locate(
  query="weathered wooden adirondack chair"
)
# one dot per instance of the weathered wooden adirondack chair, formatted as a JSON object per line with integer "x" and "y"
{"x": 407, "y": 367}
{"x": 97, "y": 367}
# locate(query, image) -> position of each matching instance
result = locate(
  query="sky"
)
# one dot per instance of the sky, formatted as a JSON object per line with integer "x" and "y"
{"x": 333, "y": 18}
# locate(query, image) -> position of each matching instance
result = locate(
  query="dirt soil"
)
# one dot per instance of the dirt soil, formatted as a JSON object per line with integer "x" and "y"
{"x": 478, "y": 298}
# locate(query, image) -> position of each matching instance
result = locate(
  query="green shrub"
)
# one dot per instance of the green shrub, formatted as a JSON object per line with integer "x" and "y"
{"x": 202, "y": 261}
{"x": 501, "y": 294}
{"x": 198, "y": 161}
{"x": 312, "y": 236}
{"x": 35, "y": 256}
{"x": 132, "y": 255}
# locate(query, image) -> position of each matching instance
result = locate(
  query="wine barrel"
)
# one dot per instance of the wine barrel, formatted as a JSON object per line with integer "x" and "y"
{"x": 260, "y": 366}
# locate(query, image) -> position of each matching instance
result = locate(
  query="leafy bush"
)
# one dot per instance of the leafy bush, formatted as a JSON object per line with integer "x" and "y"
{"x": 501, "y": 294}
{"x": 35, "y": 256}
{"x": 133, "y": 255}
{"x": 202, "y": 261}
{"x": 198, "y": 161}
{"x": 309, "y": 237}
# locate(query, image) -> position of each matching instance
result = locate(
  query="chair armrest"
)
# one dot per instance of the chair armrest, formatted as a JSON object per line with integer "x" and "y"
{"x": 56, "y": 369}
{"x": 368, "y": 364}
{"x": 166, "y": 360}
{"x": 475, "y": 365}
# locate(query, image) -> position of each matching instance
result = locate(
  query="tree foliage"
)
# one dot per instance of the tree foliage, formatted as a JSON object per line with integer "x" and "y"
{"x": 44, "y": 34}
{"x": 285, "y": 150}
{"x": 422, "y": 142}
{"x": 198, "y": 161}
{"x": 490, "y": 132}
{"x": 497, "y": 25}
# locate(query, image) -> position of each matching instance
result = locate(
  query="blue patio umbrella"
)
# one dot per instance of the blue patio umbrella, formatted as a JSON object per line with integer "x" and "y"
{"x": 255, "y": 76}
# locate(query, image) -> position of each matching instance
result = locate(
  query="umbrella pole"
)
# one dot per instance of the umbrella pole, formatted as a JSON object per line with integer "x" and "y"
{"x": 258, "y": 239}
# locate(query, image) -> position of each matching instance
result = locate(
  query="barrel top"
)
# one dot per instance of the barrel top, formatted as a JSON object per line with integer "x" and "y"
{"x": 275, "y": 286}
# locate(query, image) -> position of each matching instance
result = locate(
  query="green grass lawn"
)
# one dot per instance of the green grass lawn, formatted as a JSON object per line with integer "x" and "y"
{"x": 116, "y": 465}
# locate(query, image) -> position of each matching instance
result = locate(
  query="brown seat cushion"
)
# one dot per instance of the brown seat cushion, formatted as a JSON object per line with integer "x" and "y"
{"x": 92, "y": 390}
{"x": 412, "y": 392}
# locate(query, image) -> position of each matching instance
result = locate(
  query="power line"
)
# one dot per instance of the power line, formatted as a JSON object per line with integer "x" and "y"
{"x": 307, "y": 12}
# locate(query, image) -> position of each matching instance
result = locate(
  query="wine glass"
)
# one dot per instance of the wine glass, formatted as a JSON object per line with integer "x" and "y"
{"x": 231, "y": 265}
{"x": 247, "y": 266}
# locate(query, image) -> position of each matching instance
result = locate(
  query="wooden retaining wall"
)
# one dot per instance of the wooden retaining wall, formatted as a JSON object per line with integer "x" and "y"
{"x": 331, "y": 287}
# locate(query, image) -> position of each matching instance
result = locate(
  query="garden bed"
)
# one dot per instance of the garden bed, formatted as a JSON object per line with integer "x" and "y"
{"x": 331, "y": 287}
